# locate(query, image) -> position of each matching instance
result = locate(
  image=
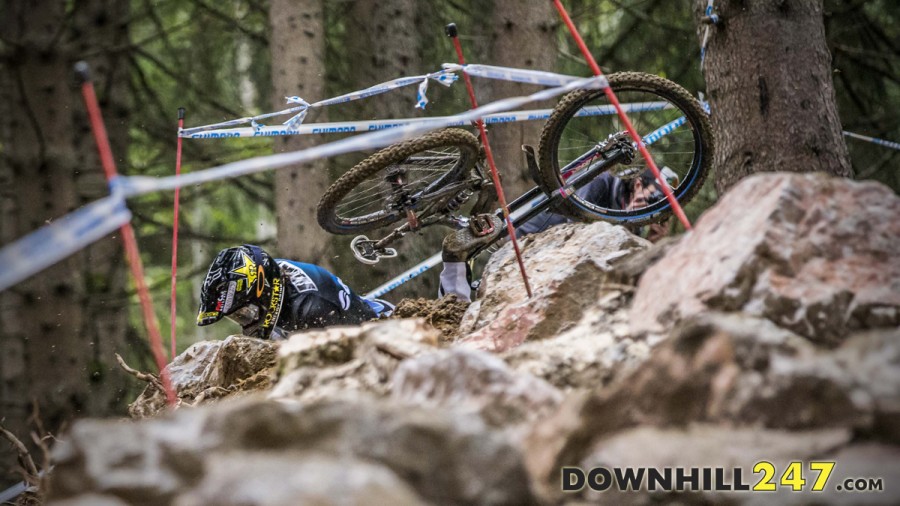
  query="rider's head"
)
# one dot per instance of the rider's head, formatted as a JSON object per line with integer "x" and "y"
{"x": 244, "y": 284}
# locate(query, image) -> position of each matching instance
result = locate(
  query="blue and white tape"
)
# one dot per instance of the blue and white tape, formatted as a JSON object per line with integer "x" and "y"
{"x": 368, "y": 126}
{"x": 538, "y": 77}
{"x": 446, "y": 77}
{"x": 873, "y": 140}
{"x": 61, "y": 238}
{"x": 664, "y": 130}
{"x": 300, "y": 111}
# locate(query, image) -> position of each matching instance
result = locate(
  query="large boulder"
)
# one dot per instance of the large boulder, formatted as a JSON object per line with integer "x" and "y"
{"x": 567, "y": 267}
{"x": 813, "y": 254}
{"x": 254, "y": 452}
{"x": 735, "y": 370}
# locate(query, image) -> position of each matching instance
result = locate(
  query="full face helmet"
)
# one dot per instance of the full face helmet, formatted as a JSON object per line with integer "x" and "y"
{"x": 245, "y": 285}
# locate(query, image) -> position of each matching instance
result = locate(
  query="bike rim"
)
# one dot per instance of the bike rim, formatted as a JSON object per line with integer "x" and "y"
{"x": 671, "y": 136}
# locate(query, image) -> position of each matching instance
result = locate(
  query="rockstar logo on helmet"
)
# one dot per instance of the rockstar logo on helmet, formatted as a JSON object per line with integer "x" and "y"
{"x": 247, "y": 269}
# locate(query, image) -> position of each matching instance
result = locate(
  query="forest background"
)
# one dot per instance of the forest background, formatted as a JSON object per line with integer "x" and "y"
{"x": 223, "y": 60}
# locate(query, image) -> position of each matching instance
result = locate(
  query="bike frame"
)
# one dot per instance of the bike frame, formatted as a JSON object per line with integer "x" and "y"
{"x": 522, "y": 209}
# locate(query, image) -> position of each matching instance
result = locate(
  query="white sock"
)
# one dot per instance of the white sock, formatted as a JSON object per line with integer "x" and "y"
{"x": 453, "y": 280}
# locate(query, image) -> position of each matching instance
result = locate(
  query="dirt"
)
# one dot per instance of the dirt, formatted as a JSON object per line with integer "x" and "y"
{"x": 443, "y": 314}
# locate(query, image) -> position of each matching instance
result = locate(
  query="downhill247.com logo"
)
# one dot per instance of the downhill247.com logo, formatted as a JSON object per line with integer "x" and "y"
{"x": 764, "y": 478}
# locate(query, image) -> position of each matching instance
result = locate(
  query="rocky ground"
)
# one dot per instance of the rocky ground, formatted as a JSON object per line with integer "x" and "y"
{"x": 769, "y": 333}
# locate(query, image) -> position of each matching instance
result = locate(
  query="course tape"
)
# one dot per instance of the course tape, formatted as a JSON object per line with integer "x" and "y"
{"x": 136, "y": 185}
{"x": 442, "y": 76}
{"x": 873, "y": 140}
{"x": 538, "y": 77}
{"x": 446, "y": 77}
{"x": 382, "y": 124}
{"x": 54, "y": 242}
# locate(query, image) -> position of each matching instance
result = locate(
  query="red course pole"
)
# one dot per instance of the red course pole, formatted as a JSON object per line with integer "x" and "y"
{"x": 131, "y": 249}
{"x": 452, "y": 33}
{"x": 175, "y": 227}
{"x": 676, "y": 207}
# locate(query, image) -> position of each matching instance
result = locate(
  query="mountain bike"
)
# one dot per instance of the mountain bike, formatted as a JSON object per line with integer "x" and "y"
{"x": 430, "y": 179}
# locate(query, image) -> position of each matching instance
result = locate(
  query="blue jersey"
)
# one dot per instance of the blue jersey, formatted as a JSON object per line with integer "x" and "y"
{"x": 316, "y": 298}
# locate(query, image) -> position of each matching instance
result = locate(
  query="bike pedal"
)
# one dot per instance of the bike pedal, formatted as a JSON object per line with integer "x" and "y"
{"x": 365, "y": 251}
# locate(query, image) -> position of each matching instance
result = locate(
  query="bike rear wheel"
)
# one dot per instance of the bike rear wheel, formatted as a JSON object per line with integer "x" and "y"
{"x": 671, "y": 122}
{"x": 419, "y": 175}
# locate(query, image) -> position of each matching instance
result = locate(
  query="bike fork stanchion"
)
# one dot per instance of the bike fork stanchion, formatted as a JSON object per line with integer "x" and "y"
{"x": 131, "y": 249}
{"x": 452, "y": 33}
{"x": 175, "y": 227}
{"x": 676, "y": 207}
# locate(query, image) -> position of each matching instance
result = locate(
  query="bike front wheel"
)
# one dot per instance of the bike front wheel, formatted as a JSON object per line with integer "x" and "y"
{"x": 670, "y": 121}
{"x": 416, "y": 176}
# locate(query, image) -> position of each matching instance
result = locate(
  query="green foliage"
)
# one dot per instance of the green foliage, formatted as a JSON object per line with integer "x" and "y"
{"x": 213, "y": 60}
{"x": 864, "y": 40}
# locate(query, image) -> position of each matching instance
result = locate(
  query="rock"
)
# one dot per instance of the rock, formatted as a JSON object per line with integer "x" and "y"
{"x": 476, "y": 382}
{"x": 709, "y": 446}
{"x": 706, "y": 446}
{"x": 231, "y": 451}
{"x": 811, "y": 253}
{"x": 90, "y": 500}
{"x": 590, "y": 354}
{"x": 567, "y": 267}
{"x": 292, "y": 479}
{"x": 869, "y": 365}
{"x": 629, "y": 269}
{"x": 319, "y": 363}
{"x": 212, "y": 369}
{"x": 140, "y": 463}
{"x": 713, "y": 368}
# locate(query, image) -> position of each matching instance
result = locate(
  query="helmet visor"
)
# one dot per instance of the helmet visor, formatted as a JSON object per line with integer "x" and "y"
{"x": 216, "y": 303}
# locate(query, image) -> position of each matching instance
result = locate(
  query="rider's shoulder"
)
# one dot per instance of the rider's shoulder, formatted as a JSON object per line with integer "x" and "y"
{"x": 283, "y": 262}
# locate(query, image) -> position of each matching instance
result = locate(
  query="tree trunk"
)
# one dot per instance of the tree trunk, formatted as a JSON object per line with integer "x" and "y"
{"x": 298, "y": 69}
{"x": 768, "y": 75}
{"x": 524, "y": 36}
{"x": 58, "y": 329}
{"x": 384, "y": 41}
